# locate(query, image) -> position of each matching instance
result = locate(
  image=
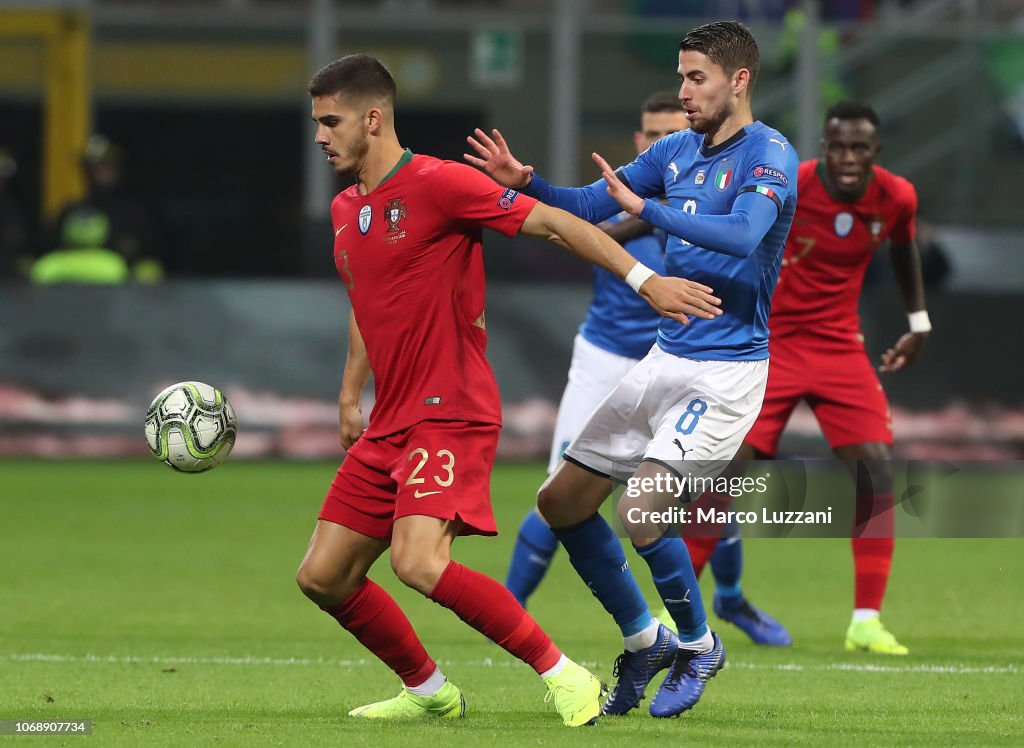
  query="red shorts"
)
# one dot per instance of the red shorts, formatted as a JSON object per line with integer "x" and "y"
{"x": 435, "y": 468}
{"x": 836, "y": 379}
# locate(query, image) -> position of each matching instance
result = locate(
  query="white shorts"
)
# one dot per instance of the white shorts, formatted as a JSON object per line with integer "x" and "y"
{"x": 675, "y": 411}
{"x": 593, "y": 374}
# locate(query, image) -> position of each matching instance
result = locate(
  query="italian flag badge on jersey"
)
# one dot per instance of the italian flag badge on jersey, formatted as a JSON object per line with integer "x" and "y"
{"x": 724, "y": 176}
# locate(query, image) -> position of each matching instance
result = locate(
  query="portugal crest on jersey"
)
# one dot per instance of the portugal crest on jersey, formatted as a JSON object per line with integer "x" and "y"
{"x": 394, "y": 212}
{"x": 843, "y": 224}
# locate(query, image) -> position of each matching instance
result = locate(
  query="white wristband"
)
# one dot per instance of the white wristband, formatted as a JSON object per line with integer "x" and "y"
{"x": 637, "y": 275}
{"x": 919, "y": 321}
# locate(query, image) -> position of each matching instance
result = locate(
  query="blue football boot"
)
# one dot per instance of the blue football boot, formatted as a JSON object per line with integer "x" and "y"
{"x": 684, "y": 684}
{"x": 634, "y": 670}
{"x": 758, "y": 625}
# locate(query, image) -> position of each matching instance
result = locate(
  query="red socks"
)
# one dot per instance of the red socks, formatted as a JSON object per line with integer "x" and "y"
{"x": 701, "y": 539}
{"x": 492, "y": 610}
{"x": 873, "y": 544}
{"x": 700, "y": 550}
{"x": 376, "y": 621}
{"x": 374, "y": 618}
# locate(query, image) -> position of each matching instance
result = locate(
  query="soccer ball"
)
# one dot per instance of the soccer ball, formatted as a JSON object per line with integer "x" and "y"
{"x": 191, "y": 426}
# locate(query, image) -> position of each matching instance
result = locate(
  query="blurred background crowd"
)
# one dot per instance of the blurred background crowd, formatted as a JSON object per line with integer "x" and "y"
{"x": 192, "y": 154}
{"x": 169, "y": 142}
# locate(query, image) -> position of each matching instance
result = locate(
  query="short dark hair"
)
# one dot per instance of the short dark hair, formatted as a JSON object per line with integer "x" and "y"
{"x": 354, "y": 76}
{"x": 851, "y": 110}
{"x": 728, "y": 44}
{"x": 662, "y": 101}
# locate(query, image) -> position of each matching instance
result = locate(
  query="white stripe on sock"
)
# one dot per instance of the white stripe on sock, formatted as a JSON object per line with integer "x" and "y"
{"x": 642, "y": 639}
{"x": 556, "y": 668}
{"x": 431, "y": 685}
{"x": 863, "y": 614}
{"x": 702, "y": 645}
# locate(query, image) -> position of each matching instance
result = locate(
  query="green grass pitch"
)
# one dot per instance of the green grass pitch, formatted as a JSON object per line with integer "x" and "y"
{"x": 163, "y": 607}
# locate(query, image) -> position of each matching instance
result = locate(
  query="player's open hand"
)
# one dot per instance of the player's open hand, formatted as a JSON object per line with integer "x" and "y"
{"x": 496, "y": 159}
{"x": 350, "y": 419}
{"x": 677, "y": 298}
{"x": 907, "y": 350}
{"x": 625, "y": 197}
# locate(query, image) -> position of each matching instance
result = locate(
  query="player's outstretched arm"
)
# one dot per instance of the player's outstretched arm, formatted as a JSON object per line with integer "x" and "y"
{"x": 591, "y": 203}
{"x": 497, "y": 160}
{"x": 353, "y": 381}
{"x": 628, "y": 200}
{"x": 671, "y": 297}
{"x": 906, "y": 265}
{"x": 737, "y": 233}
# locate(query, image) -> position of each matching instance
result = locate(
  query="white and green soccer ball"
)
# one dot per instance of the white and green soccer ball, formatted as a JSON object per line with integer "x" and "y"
{"x": 191, "y": 426}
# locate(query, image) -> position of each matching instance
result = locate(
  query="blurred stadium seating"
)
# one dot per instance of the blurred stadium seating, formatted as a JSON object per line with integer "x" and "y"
{"x": 207, "y": 100}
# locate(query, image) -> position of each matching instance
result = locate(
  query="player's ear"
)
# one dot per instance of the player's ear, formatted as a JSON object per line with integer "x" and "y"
{"x": 740, "y": 81}
{"x": 374, "y": 119}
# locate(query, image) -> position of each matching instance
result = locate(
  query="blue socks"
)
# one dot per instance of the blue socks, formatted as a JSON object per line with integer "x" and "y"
{"x": 677, "y": 584}
{"x": 596, "y": 554}
{"x": 535, "y": 547}
{"x": 727, "y": 565}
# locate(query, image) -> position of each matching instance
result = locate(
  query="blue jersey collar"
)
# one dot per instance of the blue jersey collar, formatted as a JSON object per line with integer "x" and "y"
{"x": 708, "y": 152}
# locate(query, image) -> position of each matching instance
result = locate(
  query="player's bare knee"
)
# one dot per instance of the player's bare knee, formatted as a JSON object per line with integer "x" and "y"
{"x": 556, "y": 492}
{"x": 551, "y": 503}
{"x": 642, "y": 518}
{"x": 310, "y": 583}
{"x": 572, "y": 495}
{"x": 313, "y": 586}
{"x": 418, "y": 570}
{"x": 871, "y": 466}
{"x": 324, "y": 589}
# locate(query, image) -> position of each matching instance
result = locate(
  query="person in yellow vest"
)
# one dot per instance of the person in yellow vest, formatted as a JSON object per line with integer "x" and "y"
{"x": 105, "y": 237}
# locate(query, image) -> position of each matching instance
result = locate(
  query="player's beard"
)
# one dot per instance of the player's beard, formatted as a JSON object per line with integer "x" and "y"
{"x": 354, "y": 154}
{"x": 711, "y": 124}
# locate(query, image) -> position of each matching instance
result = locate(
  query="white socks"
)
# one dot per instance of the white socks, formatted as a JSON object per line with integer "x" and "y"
{"x": 431, "y": 685}
{"x": 642, "y": 639}
{"x": 704, "y": 644}
{"x": 556, "y": 668}
{"x": 863, "y": 614}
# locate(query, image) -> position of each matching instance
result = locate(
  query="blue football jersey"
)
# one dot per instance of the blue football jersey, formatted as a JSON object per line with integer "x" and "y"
{"x": 706, "y": 182}
{"x": 619, "y": 320}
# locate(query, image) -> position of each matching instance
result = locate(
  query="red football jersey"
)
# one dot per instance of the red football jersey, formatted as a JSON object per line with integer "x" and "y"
{"x": 830, "y": 247}
{"x": 410, "y": 254}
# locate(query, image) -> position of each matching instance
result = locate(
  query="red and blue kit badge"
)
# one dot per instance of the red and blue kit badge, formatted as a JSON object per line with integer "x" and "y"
{"x": 507, "y": 198}
{"x": 772, "y": 173}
